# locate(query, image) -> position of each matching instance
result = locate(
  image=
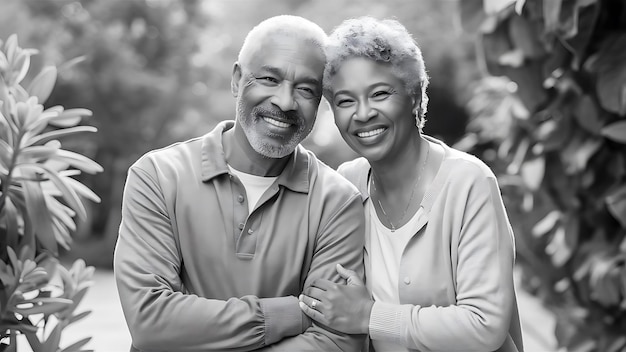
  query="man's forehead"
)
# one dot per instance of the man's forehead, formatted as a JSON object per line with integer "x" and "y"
{"x": 284, "y": 39}
{"x": 282, "y": 54}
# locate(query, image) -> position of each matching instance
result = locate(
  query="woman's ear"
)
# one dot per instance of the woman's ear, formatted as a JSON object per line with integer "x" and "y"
{"x": 416, "y": 104}
{"x": 235, "y": 79}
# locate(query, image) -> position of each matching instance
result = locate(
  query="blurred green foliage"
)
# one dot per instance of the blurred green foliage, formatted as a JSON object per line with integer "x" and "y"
{"x": 553, "y": 124}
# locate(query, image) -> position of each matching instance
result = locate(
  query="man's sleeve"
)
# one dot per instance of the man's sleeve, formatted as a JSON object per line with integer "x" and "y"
{"x": 160, "y": 316}
{"x": 340, "y": 241}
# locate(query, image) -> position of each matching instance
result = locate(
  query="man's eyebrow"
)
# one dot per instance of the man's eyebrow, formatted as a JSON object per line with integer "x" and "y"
{"x": 272, "y": 69}
{"x": 279, "y": 72}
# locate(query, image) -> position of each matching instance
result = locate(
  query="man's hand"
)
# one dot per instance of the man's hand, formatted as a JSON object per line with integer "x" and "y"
{"x": 345, "y": 308}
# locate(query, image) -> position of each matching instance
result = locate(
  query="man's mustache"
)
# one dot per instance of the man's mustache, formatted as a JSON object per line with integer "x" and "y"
{"x": 277, "y": 114}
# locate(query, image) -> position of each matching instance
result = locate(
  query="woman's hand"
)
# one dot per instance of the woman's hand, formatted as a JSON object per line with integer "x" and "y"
{"x": 345, "y": 308}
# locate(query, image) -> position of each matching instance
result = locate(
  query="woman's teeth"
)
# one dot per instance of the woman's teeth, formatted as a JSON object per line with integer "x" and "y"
{"x": 370, "y": 133}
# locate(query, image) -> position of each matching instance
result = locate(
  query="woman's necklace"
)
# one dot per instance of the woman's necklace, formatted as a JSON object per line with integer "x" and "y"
{"x": 406, "y": 209}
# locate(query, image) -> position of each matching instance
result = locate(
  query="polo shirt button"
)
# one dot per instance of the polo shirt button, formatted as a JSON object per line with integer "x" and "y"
{"x": 240, "y": 198}
{"x": 241, "y": 225}
{"x": 407, "y": 280}
{"x": 250, "y": 232}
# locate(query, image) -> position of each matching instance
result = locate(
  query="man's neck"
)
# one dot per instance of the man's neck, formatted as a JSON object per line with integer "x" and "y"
{"x": 241, "y": 156}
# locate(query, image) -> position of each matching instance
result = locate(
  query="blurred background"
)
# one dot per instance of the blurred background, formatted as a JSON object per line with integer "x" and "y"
{"x": 537, "y": 89}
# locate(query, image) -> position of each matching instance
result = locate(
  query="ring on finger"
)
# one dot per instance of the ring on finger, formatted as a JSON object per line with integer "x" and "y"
{"x": 313, "y": 304}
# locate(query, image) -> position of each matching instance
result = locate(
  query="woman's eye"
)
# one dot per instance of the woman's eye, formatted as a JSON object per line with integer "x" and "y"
{"x": 344, "y": 102}
{"x": 381, "y": 94}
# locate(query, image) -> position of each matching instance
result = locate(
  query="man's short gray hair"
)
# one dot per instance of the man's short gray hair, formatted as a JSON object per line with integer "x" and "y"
{"x": 294, "y": 26}
{"x": 386, "y": 41}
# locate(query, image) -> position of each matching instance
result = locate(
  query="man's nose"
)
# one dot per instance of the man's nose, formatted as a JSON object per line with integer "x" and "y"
{"x": 284, "y": 98}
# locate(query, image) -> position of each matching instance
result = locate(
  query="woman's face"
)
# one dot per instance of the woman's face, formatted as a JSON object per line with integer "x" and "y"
{"x": 372, "y": 108}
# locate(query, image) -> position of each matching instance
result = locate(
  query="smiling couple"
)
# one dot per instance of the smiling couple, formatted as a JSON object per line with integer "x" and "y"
{"x": 243, "y": 240}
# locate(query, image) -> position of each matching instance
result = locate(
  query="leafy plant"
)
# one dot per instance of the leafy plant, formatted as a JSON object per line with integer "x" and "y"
{"x": 559, "y": 147}
{"x": 39, "y": 199}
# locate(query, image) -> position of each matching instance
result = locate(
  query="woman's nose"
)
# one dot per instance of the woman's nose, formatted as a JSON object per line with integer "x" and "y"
{"x": 364, "y": 112}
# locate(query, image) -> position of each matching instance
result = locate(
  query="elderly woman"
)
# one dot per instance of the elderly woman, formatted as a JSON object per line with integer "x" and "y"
{"x": 439, "y": 247}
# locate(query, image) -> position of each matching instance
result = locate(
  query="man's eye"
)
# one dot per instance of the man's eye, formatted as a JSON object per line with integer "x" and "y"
{"x": 267, "y": 79}
{"x": 307, "y": 92}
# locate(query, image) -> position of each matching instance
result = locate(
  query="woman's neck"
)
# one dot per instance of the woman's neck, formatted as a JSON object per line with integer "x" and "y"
{"x": 396, "y": 174}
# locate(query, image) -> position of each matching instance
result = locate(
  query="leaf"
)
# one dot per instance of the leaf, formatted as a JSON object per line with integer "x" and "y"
{"x": 493, "y": 7}
{"x": 22, "y": 64}
{"x": 616, "y": 204}
{"x": 53, "y": 340}
{"x": 78, "y": 161}
{"x": 513, "y": 58}
{"x": 39, "y": 215}
{"x": 61, "y": 234}
{"x": 33, "y": 154}
{"x": 71, "y": 63}
{"x": 610, "y": 65}
{"x": 551, "y": 14}
{"x": 578, "y": 152}
{"x": 77, "y": 317}
{"x": 45, "y": 305}
{"x": 61, "y": 212}
{"x": 546, "y": 224}
{"x": 587, "y": 20}
{"x": 10, "y": 217}
{"x": 472, "y": 14}
{"x": 47, "y": 136}
{"x": 615, "y": 131}
{"x": 82, "y": 190}
{"x": 526, "y": 37}
{"x": 558, "y": 248}
{"x": 43, "y": 83}
{"x": 6, "y": 157}
{"x": 68, "y": 192}
{"x": 70, "y": 117}
{"x": 33, "y": 341}
{"x": 587, "y": 115}
{"x": 532, "y": 172}
{"x": 76, "y": 347}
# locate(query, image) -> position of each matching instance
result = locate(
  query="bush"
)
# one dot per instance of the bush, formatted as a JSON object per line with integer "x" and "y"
{"x": 39, "y": 199}
{"x": 556, "y": 133}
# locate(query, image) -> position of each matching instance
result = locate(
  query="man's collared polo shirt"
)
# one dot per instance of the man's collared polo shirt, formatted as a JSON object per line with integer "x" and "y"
{"x": 194, "y": 265}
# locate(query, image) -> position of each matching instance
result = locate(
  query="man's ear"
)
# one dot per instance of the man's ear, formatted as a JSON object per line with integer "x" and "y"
{"x": 236, "y": 77}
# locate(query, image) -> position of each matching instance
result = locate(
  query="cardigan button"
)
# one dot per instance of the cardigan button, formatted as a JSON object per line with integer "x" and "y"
{"x": 240, "y": 198}
{"x": 407, "y": 280}
{"x": 241, "y": 225}
{"x": 250, "y": 232}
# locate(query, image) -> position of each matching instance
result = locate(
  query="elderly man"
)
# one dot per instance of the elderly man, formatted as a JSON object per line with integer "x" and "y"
{"x": 221, "y": 233}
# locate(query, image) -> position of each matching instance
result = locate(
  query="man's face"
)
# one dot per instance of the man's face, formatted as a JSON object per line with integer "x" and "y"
{"x": 278, "y": 89}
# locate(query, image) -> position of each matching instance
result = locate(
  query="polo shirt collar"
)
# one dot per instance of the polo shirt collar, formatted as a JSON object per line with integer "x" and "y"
{"x": 295, "y": 176}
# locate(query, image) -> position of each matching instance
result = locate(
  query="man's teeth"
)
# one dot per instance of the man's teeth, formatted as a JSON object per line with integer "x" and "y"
{"x": 370, "y": 133}
{"x": 276, "y": 122}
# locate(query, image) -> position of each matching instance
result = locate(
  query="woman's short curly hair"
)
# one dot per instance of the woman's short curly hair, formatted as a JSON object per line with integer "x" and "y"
{"x": 386, "y": 41}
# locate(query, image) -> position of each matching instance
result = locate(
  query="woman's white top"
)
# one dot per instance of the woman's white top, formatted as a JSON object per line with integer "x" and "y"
{"x": 385, "y": 253}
